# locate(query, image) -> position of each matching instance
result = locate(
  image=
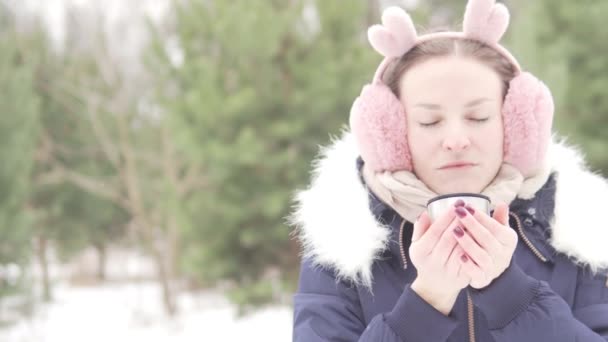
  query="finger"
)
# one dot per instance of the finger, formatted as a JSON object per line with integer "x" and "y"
{"x": 461, "y": 273}
{"x": 474, "y": 251}
{"x": 479, "y": 231}
{"x": 458, "y": 258}
{"x": 470, "y": 269}
{"x": 433, "y": 233}
{"x": 420, "y": 226}
{"x": 446, "y": 244}
{"x": 453, "y": 262}
{"x": 501, "y": 231}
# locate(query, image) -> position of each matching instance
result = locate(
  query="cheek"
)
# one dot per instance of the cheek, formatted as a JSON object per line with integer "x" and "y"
{"x": 491, "y": 141}
{"x": 492, "y": 133}
{"x": 419, "y": 141}
{"x": 422, "y": 149}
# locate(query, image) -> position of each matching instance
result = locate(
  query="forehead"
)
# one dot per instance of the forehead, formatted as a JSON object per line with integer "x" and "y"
{"x": 450, "y": 80}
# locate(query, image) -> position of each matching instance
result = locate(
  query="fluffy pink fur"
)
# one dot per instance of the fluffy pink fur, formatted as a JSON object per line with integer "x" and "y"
{"x": 397, "y": 34}
{"x": 383, "y": 41}
{"x": 527, "y": 116}
{"x": 377, "y": 120}
{"x": 485, "y": 20}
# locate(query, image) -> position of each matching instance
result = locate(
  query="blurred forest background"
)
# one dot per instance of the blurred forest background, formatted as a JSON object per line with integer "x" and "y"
{"x": 187, "y": 145}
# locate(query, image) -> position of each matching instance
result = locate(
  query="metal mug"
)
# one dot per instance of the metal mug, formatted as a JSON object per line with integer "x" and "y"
{"x": 438, "y": 205}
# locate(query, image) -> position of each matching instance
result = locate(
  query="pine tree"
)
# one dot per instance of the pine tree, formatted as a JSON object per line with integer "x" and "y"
{"x": 563, "y": 42}
{"x": 259, "y": 86}
{"x": 19, "y": 113}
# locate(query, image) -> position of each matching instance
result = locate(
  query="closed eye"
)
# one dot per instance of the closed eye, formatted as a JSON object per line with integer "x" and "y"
{"x": 429, "y": 124}
{"x": 479, "y": 120}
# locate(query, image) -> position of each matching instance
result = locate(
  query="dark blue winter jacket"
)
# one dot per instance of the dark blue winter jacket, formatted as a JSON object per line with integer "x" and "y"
{"x": 355, "y": 274}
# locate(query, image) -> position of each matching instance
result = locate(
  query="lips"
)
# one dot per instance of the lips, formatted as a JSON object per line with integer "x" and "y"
{"x": 457, "y": 165}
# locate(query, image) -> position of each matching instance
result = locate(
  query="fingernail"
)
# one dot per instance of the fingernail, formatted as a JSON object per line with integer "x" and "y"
{"x": 458, "y": 231}
{"x": 470, "y": 209}
{"x": 459, "y": 203}
{"x": 464, "y": 258}
{"x": 461, "y": 212}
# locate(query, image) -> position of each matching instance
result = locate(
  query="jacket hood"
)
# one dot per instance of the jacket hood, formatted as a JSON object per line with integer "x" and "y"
{"x": 338, "y": 230}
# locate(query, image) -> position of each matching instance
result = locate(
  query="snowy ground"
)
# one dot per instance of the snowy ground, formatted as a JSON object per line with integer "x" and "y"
{"x": 132, "y": 312}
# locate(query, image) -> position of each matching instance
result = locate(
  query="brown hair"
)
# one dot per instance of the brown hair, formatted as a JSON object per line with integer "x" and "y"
{"x": 441, "y": 47}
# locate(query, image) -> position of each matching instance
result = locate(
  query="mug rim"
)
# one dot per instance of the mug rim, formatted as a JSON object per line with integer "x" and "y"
{"x": 458, "y": 194}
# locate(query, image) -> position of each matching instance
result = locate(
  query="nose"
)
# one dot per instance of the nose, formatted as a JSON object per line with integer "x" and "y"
{"x": 456, "y": 141}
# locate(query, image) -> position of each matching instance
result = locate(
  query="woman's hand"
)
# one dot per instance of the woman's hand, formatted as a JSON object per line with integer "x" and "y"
{"x": 488, "y": 241}
{"x": 437, "y": 258}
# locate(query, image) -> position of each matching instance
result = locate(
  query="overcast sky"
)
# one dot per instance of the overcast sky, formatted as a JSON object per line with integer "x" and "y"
{"x": 115, "y": 12}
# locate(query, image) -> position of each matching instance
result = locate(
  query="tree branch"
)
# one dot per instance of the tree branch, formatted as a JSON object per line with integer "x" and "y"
{"x": 61, "y": 91}
{"x": 101, "y": 134}
{"x": 60, "y": 174}
{"x": 192, "y": 181}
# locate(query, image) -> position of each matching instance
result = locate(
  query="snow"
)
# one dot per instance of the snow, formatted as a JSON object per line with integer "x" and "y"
{"x": 133, "y": 312}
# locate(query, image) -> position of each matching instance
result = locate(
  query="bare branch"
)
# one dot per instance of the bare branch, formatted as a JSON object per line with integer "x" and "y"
{"x": 49, "y": 178}
{"x": 94, "y": 186}
{"x": 44, "y": 150}
{"x": 62, "y": 92}
{"x": 101, "y": 133}
{"x": 193, "y": 180}
{"x": 129, "y": 170}
{"x": 149, "y": 158}
{"x": 59, "y": 174}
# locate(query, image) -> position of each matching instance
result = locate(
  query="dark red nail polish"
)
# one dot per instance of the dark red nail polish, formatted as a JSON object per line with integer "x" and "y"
{"x": 459, "y": 203}
{"x": 470, "y": 209}
{"x": 464, "y": 258}
{"x": 461, "y": 212}
{"x": 458, "y": 231}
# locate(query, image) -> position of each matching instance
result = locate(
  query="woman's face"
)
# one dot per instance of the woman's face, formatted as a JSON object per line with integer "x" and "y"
{"x": 455, "y": 129}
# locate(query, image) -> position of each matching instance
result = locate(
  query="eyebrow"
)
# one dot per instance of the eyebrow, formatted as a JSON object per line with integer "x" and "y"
{"x": 433, "y": 106}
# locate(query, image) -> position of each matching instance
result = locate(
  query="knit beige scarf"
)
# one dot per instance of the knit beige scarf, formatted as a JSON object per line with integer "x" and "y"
{"x": 408, "y": 195}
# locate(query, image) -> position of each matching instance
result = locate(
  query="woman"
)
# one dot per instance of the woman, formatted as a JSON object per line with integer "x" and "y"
{"x": 451, "y": 112}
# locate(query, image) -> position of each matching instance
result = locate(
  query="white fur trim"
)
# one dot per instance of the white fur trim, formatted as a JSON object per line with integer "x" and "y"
{"x": 338, "y": 230}
{"x": 335, "y": 225}
{"x": 580, "y": 229}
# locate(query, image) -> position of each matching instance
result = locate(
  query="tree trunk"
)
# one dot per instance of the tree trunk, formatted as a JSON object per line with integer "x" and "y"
{"x": 164, "y": 277}
{"x": 44, "y": 267}
{"x": 101, "y": 261}
{"x": 173, "y": 245}
{"x": 148, "y": 240}
{"x": 171, "y": 173}
{"x": 143, "y": 221}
